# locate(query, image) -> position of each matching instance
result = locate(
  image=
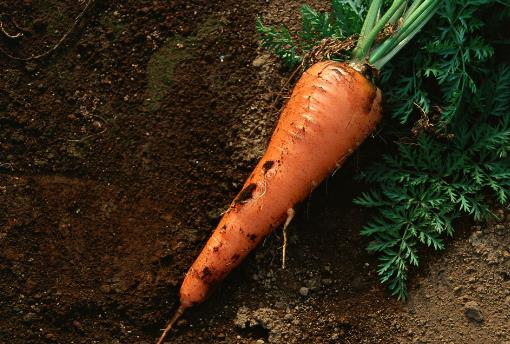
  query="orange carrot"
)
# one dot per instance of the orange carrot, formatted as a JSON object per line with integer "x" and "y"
{"x": 332, "y": 109}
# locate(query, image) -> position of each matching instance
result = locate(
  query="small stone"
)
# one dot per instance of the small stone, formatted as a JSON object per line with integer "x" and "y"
{"x": 260, "y": 341}
{"x": 105, "y": 288}
{"x": 259, "y": 61}
{"x": 304, "y": 291}
{"x": 327, "y": 281}
{"x": 472, "y": 311}
{"x": 167, "y": 217}
{"x": 77, "y": 325}
{"x": 29, "y": 317}
{"x": 182, "y": 323}
{"x": 30, "y": 67}
{"x": 500, "y": 213}
{"x": 51, "y": 336}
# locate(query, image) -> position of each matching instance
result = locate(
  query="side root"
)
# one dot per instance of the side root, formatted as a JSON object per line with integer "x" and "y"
{"x": 290, "y": 216}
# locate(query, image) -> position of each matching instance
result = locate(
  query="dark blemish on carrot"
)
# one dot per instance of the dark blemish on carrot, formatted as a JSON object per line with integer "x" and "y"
{"x": 252, "y": 237}
{"x": 338, "y": 71}
{"x": 320, "y": 88}
{"x": 245, "y": 194}
{"x": 235, "y": 257}
{"x": 267, "y": 165}
{"x": 206, "y": 274}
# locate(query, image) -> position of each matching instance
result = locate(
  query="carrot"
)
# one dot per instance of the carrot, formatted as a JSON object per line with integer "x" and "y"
{"x": 332, "y": 109}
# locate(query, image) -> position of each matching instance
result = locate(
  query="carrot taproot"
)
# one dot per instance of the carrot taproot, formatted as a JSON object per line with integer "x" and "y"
{"x": 332, "y": 109}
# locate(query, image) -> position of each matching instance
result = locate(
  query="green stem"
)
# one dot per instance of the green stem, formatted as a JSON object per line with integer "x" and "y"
{"x": 414, "y": 23}
{"x": 393, "y": 20}
{"x": 412, "y": 8}
{"x": 368, "y": 24}
{"x": 366, "y": 41}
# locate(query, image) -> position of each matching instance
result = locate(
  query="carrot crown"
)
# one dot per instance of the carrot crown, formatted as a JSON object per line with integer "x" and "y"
{"x": 350, "y": 32}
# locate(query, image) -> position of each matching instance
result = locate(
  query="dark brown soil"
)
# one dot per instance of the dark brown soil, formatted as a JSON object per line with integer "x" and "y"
{"x": 119, "y": 152}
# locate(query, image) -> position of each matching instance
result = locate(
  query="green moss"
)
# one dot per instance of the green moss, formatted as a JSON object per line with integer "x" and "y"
{"x": 161, "y": 66}
{"x": 110, "y": 22}
{"x": 160, "y": 70}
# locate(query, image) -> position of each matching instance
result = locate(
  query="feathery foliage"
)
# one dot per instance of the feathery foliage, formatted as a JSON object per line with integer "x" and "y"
{"x": 450, "y": 78}
{"x": 344, "y": 21}
{"x": 432, "y": 181}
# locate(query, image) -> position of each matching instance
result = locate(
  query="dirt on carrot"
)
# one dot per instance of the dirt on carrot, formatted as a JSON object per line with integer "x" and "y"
{"x": 96, "y": 235}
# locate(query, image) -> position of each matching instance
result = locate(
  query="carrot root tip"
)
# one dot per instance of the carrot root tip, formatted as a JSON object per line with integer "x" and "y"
{"x": 177, "y": 315}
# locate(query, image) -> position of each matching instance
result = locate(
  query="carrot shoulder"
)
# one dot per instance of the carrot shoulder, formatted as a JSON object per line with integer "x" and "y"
{"x": 330, "y": 112}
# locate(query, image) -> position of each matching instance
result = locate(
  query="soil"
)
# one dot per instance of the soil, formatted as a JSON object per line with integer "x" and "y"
{"x": 118, "y": 153}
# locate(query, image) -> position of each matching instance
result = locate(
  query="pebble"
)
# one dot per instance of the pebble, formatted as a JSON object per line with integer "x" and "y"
{"x": 472, "y": 311}
{"x": 182, "y": 323}
{"x": 327, "y": 281}
{"x": 304, "y": 291}
{"x": 29, "y": 317}
{"x": 259, "y": 61}
{"x": 30, "y": 67}
{"x": 51, "y": 337}
{"x": 77, "y": 325}
{"x": 260, "y": 341}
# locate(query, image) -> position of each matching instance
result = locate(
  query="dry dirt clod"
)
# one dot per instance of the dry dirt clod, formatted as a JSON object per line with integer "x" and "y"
{"x": 472, "y": 311}
{"x": 304, "y": 291}
{"x": 260, "y": 61}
